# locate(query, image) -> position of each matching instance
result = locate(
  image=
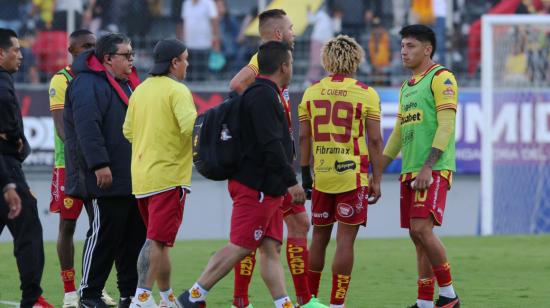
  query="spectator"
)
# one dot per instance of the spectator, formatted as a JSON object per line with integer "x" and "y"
{"x": 248, "y": 45}
{"x": 61, "y": 11}
{"x": 29, "y": 72}
{"x": 379, "y": 52}
{"x": 354, "y": 16}
{"x": 10, "y": 15}
{"x": 322, "y": 32}
{"x": 44, "y": 9}
{"x": 201, "y": 35}
{"x": 229, "y": 31}
{"x": 97, "y": 166}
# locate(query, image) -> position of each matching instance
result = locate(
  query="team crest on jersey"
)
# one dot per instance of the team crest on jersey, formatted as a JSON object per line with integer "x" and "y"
{"x": 196, "y": 293}
{"x": 258, "y": 234}
{"x": 345, "y": 210}
{"x": 68, "y": 203}
{"x": 52, "y": 92}
{"x": 286, "y": 96}
{"x": 143, "y": 297}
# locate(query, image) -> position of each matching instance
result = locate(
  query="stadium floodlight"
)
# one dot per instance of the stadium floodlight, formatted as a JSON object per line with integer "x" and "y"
{"x": 515, "y": 147}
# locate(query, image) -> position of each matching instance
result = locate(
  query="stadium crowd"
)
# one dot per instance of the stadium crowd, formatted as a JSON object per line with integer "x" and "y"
{"x": 42, "y": 26}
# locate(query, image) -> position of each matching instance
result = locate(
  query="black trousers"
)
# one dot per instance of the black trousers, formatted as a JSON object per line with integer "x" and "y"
{"x": 26, "y": 230}
{"x": 116, "y": 235}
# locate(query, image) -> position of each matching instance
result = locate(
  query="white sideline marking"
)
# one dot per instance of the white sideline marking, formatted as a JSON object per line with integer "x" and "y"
{"x": 14, "y": 304}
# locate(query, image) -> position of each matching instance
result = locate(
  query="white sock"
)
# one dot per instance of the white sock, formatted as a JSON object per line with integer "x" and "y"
{"x": 447, "y": 291}
{"x": 197, "y": 293}
{"x": 336, "y": 306}
{"x": 167, "y": 296}
{"x": 421, "y": 303}
{"x": 143, "y": 295}
{"x": 283, "y": 302}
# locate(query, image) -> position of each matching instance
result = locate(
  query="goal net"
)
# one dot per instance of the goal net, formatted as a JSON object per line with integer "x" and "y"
{"x": 515, "y": 163}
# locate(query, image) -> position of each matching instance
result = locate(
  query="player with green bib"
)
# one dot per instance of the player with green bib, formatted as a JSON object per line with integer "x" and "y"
{"x": 424, "y": 133}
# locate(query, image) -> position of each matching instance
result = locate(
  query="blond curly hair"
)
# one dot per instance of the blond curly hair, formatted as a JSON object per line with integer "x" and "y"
{"x": 342, "y": 55}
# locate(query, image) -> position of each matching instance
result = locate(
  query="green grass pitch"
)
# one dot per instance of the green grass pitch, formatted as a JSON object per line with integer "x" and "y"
{"x": 510, "y": 271}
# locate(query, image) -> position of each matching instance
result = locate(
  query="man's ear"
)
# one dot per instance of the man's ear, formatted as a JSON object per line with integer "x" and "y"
{"x": 429, "y": 49}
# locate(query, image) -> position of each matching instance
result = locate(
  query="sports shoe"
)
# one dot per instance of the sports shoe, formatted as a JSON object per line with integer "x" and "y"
{"x": 125, "y": 302}
{"x": 183, "y": 301}
{"x": 70, "y": 300}
{"x": 42, "y": 303}
{"x": 446, "y": 302}
{"x": 249, "y": 306}
{"x": 414, "y": 306}
{"x": 314, "y": 303}
{"x": 92, "y": 303}
{"x": 109, "y": 301}
{"x": 167, "y": 304}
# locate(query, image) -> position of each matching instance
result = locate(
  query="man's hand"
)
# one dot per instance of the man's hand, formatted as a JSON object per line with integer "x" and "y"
{"x": 13, "y": 201}
{"x": 297, "y": 193}
{"x": 374, "y": 191}
{"x": 423, "y": 180}
{"x": 20, "y": 145}
{"x": 104, "y": 177}
{"x": 307, "y": 181}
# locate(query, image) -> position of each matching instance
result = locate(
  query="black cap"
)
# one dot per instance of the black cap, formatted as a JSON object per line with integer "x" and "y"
{"x": 164, "y": 52}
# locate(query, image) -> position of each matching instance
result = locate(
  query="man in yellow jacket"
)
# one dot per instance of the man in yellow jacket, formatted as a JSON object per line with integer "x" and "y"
{"x": 159, "y": 124}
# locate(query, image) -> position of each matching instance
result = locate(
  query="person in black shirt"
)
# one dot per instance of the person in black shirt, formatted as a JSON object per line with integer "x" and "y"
{"x": 14, "y": 148}
{"x": 265, "y": 175}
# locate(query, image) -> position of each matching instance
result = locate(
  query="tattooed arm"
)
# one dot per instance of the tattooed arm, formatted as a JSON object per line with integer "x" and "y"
{"x": 424, "y": 177}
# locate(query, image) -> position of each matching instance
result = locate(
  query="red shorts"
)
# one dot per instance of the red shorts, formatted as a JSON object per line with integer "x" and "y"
{"x": 254, "y": 217}
{"x": 349, "y": 207}
{"x": 290, "y": 208}
{"x": 422, "y": 204}
{"x": 68, "y": 207}
{"x": 162, "y": 214}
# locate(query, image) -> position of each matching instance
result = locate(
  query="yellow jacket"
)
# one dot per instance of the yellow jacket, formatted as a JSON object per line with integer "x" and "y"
{"x": 159, "y": 124}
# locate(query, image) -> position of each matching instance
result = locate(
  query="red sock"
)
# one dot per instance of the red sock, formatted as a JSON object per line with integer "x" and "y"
{"x": 67, "y": 276}
{"x": 340, "y": 284}
{"x": 443, "y": 274}
{"x": 314, "y": 279}
{"x": 243, "y": 276}
{"x": 297, "y": 257}
{"x": 426, "y": 289}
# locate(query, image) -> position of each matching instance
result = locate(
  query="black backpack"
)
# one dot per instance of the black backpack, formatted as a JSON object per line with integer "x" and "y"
{"x": 217, "y": 149}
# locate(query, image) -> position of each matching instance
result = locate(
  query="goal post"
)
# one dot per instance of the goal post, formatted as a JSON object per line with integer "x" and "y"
{"x": 515, "y": 141}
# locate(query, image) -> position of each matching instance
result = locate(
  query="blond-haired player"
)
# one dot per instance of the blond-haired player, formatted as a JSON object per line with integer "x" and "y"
{"x": 339, "y": 127}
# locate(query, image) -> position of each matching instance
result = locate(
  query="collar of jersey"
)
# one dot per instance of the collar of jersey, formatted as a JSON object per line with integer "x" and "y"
{"x": 417, "y": 78}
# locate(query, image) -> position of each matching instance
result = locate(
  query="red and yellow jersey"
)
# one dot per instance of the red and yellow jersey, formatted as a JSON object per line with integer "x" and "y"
{"x": 58, "y": 87}
{"x": 253, "y": 64}
{"x": 337, "y": 108}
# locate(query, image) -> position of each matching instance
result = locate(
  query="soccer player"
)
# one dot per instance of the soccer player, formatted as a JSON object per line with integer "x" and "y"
{"x": 425, "y": 134}
{"x": 159, "y": 124}
{"x": 275, "y": 25}
{"x": 257, "y": 188}
{"x": 336, "y": 115}
{"x": 69, "y": 208}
